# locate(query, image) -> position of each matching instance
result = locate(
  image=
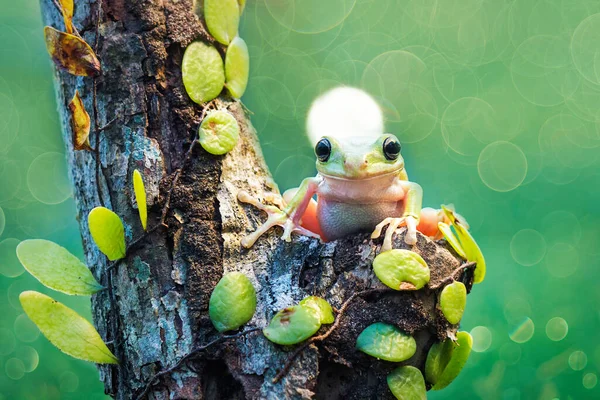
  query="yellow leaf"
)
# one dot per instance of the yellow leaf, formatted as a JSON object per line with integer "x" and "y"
{"x": 140, "y": 197}
{"x": 237, "y": 67}
{"x": 67, "y": 12}
{"x": 66, "y": 329}
{"x": 71, "y": 53}
{"x": 471, "y": 249}
{"x": 80, "y": 123}
{"x": 222, "y": 19}
{"x": 55, "y": 267}
{"x": 108, "y": 232}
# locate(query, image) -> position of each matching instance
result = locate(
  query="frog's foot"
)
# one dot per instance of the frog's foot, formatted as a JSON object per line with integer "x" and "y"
{"x": 393, "y": 224}
{"x": 276, "y": 217}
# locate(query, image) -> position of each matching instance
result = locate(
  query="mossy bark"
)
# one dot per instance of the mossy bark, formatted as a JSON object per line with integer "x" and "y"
{"x": 156, "y": 307}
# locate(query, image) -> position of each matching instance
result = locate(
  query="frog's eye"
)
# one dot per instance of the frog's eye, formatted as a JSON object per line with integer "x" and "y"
{"x": 391, "y": 148}
{"x": 323, "y": 150}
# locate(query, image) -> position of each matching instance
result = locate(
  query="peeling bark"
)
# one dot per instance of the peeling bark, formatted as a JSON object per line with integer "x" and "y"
{"x": 156, "y": 308}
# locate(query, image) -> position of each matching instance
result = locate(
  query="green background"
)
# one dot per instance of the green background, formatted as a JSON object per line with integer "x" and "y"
{"x": 497, "y": 104}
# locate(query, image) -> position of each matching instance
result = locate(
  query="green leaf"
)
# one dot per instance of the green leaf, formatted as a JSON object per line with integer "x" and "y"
{"x": 293, "y": 325}
{"x": 321, "y": 306}
{"x": 386, "y": 342}
{"x": 108, "y": 232}
{"x": 232, "y": 303}
{"x": 237, "y": 67}
{"x": 202, "y": 72}
{"x": 472, "y": 250}
{"x": 401, "y": 269}
{"x": 140, "y": 197}
{"x": 219, "y": 132}
{"x": 242, "y": 4}
{"x": 66, "y": 329}
{"x": 55, "y": 267}
{"x": 450, "y": 238}
{"x": 407, "y": 383}
{"x": 445, "y": 360}
{"x": 222, "y": 19}
{"x": 453, "y": 301}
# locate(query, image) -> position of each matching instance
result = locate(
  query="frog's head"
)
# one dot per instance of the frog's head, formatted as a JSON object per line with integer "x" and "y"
{"x": 360, "y": 157}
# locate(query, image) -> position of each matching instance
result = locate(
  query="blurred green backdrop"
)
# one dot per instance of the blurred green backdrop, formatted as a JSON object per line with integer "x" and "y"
{"x": 497, "y": 104}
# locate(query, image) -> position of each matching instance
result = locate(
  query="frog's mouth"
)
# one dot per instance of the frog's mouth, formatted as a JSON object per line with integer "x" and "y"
{"x": 365, "y": 177}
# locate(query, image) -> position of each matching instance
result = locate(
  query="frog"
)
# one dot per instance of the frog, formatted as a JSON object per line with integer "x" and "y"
{"x": 361, "y": 185}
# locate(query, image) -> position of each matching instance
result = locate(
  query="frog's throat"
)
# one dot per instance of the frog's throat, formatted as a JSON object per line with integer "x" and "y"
{"x": 378, "y": 176}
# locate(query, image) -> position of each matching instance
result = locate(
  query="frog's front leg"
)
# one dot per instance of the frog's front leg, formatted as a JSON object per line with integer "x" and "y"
{"x": 288, "y": 218}
{"x": 413, "y": 199}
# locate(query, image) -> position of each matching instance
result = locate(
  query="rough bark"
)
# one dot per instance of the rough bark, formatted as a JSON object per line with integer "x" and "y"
{"x": 155, "y": 309}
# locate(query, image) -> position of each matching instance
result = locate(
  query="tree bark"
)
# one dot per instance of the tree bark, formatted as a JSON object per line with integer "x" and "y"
{"x": 155, "y": 310}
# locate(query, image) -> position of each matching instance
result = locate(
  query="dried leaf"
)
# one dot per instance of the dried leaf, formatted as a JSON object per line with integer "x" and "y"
{"x": 55, "y": 267}
{"x": 108, "y": 232}
{"x": 66, "y": 329}
{"x": 140, "y": 197}
{"x": 80, "y": 123}
{"x": 67, "y": 12}
{"x": 71, "y": 53}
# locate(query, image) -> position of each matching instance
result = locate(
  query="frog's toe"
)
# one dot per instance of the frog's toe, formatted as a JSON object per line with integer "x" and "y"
{"x": 393, "y": 224}
{"x": 377, "y": 232}
{"x": 410, "y": 237}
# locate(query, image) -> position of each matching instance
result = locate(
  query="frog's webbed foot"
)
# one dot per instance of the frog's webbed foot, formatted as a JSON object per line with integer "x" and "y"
{"x": 392, "y": 224}
{"x": 276, "y": 217}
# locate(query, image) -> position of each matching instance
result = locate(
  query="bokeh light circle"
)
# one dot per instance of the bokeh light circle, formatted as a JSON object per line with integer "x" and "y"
{"x": 523, "y": 332}
{"x": 25, "y": 329}
{"x": 528, "y": 247}
{"x": 9, "y": 122}
{"x": 29, "y": 356}
{"x": 482, "y": 338}
{"x": 590, "y": 380}
{"x": 464, "y": 121}
{"x": 14, "y": 369}
{"x": 556, "y": 329}
{"x": 585, "y": 48}
{"x": 577, "y": 360}
{"x": 9, "y": 263}
{"x": 300, "y": 15}
{"x": 47, "y": 178}
{"x": 69, "y": 382}
{"x": 7, "y": 342}
{"x": 561, "y": 226}
{"x": 562, "y": 260}
{"x": 502, "y": 166}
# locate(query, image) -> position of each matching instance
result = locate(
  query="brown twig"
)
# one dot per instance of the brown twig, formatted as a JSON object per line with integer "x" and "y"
{"x": 327, "y": 333}
{"x": 190, "y": 355}
{"x": 452, "y": 277}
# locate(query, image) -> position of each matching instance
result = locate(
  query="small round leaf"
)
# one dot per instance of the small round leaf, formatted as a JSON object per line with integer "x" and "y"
{"x": 453, "y": 301}
{"x": 108, "y": 232}
{"x": 293, "y": 325}
{"x": 237, "y": 67}
{"x": 219, "y": 132}
{"x": 202, "y": 72}
{"x": 407, "y": 383}
{"x": 222, "y": 19}
{"x": 66, "y": 329}
{"x": 232, "y": 303}
{"x": 55, "y": 267}
{"x": 386, "y": 342}
{"x": 401, "y": 269}
{"x": 321, "y": 306}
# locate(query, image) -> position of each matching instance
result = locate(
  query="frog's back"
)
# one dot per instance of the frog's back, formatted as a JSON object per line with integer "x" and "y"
{"x": 338, "y": 219}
